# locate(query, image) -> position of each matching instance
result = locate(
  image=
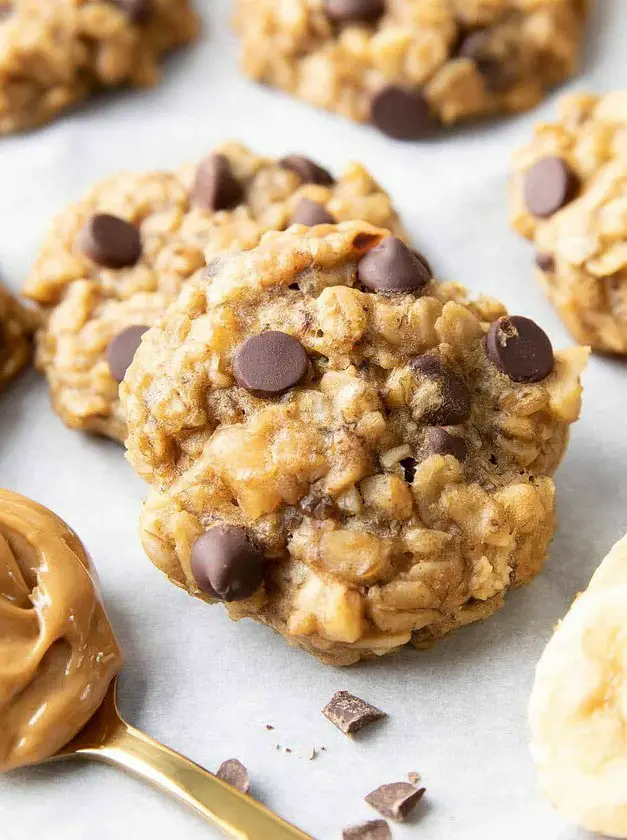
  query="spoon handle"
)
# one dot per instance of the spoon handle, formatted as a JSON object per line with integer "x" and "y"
{"x": 236, "y": 814}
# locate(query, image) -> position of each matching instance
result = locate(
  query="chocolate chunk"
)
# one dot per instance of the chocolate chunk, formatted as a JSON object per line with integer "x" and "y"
{"x": 226, "y": 564}
{"x": 110, "y": 241}
{"x": 545, "y": 262}
{"x": 137, "y": 11}
{"x": 216, "y": 187}
{"x": 548, "y": 186}
{"x": 409, "y": 469}
{"x": 455, "y": 396}
{"x": 424, "y": 261}
{"x": 350, "y": 713}
{"x": 441, "y": 442}
{"x": 499, "y": 71}
{"x": 310, "y": 213}
{"x": 234, "y": 773}
{"x": 391, "y": 267}
{"x": 269, "y": 364}
{"x": 122, "y": 349}
{"x": 520, "y": 349}
{"x": 308, "y": 171}
{"x": 354, "y": 11}
{"x": 403, "y": 114}
{"x": 395, "y": 801}
{"x": 318, "y": 507}
{"x": 373, "y": 830}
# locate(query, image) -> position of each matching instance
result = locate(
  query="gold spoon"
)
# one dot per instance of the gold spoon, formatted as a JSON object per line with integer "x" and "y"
{"x": 107, "y": 737}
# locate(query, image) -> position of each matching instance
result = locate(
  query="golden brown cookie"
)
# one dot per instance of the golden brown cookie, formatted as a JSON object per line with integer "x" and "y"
{"x": 412, "y": 66}
{"x": 344, "y": 449}
{"x": 112, "y": 263}
{"x": 16, "y": 328}
{"x": 55, "y": 53}
{"x": 569, "y": 197}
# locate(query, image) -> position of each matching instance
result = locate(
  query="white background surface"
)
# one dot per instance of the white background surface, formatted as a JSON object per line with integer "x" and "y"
{"x": 206, "y": 686}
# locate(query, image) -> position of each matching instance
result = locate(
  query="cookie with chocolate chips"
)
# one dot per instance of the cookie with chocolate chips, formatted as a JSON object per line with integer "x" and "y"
{"x": 55, "y": 54}
{"x": 413, "y": 68}
{"x": 380, "y": 445}
{"x": 17, "y": 325}
{"x": 568, "y": 194}
{"x": 113, "y": 262}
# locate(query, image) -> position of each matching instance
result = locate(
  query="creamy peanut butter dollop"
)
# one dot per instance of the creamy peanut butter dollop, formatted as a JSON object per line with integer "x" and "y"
{"x": 58, "y": 653}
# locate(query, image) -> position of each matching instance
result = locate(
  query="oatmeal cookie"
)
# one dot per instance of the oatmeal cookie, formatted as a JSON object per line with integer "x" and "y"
{"x": 54, "y": 53}
{"x": 569, "y": 197}
{"x": 412, "y": 66}
{"x": 113, "y": 262}
{"x": 344, "y": 449}
{"x": 17, "y": 325}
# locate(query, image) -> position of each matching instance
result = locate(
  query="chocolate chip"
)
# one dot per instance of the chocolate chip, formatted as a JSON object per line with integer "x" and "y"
{"x": 409, "y": 469}
{"x": 372, "y": 830}
{"x": 499, "y": 72}
{"x": 269, "y": 364}
{"x": 226, "y": 564}
{"x": 138, "y": 11}
{"x": 424, "y": 261}
{"x": 122, "y": 349}
{"x": 545, "y": 262}
{"x": 520, "y": 349}
{"x": 308, "y": 171}
{"x": 392, "y": 267}
{"x": 455, "y": 396}
{"x": 350, "y": 713}
{"x": 395, "y": 801}
{"x": 318, "y": 507}
{"x": 234, "y": 773}
{"x": 354, "y": 11}
{"x": 310, "y": 213}
{"x": 110, "y": 241}
{"x": 403, "y": 114}
{"x": 215, "y": 186}
{"x": 548, "y": 186}
{"x": 441, "y": 442}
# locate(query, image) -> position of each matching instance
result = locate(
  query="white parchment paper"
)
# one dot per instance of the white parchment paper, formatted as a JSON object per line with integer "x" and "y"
{"x": 206, "y": 686}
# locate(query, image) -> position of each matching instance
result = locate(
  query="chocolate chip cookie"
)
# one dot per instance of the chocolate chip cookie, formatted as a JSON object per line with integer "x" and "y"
{"x": 16, "y": 327}
{"x": 413, "y": 66}
{"x": 112, "y": 263}
{"x": 55, "y": 53}
{"x": 569, "y": 197}
{"x": 343, "y": 448}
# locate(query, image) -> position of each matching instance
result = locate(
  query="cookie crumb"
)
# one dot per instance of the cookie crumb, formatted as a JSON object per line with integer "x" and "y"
{"x": 312, "y": 754}
{"x": 351, "y": 714}
{"x": 396, "y": 800}
{"x": 373, "y": 830}
{"x": 414, "y": 778}
{"x": 234, "y": 773}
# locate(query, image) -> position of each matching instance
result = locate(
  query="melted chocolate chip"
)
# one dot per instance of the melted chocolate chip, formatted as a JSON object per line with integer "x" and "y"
{"x": 549, "y": 185}
{"x": 216, "y": 187}
{"x": 307, "y": 170}
{"x": 269, "y": 364}
{"x": 122, "y": 349}
{"x": 354, "y": 11}
{"x": 520, "y": 349}
{"x": 310, "y": 213}
{"x": 110, "y": 241}
{"x": 500, "y": 71}
{"x": 226, "y": 564}
{"x": 403, "y": 113}
{"x": 440, "y": 442}
{"x": 455, "y": 396}
{"x": 393, "y": 268}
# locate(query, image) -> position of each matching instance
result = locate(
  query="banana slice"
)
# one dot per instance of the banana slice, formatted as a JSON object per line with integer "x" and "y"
{"x": 578, "y": 706}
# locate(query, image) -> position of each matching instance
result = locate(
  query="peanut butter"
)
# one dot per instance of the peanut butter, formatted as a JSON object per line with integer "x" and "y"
{"x": 58, "y": 653}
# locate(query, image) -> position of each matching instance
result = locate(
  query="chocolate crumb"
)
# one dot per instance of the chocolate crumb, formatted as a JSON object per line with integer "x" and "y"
{"x": 414, "y": 778}
{"x": 288, "y": 750}
{"x": 350, "y": 713}
{"x": 395, "y": 801}
{"x": 234, "y": 773}
{"x": 269, "y": 727}
{"x": 373, "y": 830}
